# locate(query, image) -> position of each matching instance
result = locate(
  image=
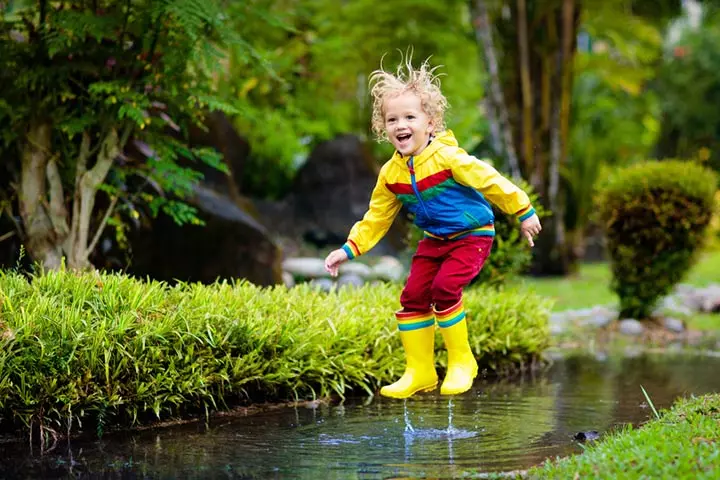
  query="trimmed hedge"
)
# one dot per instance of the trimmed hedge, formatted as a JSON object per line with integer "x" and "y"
{"x": 655, "y": 216}
{"x": 107, "y": 349}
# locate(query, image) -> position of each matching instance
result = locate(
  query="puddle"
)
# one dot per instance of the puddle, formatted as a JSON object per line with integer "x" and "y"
{"x": 495, "y": 427}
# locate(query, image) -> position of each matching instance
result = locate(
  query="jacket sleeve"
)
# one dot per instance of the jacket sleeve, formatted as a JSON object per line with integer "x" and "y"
{"x": 365, "y": 234}
{"x": 469, "y": 171}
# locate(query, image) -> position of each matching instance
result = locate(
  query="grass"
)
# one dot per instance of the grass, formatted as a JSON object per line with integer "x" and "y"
{"x": 683, "y": 443}
{"x": 590, "y": 286}
{"x": 111, "y": 351}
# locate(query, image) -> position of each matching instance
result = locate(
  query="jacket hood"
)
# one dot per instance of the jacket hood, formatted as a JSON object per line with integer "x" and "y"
{"x": 442, "y": 140}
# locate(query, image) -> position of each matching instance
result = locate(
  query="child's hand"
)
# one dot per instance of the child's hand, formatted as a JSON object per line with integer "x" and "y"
{"x": 531, "y": 227}
{"x": 334, "y": 260}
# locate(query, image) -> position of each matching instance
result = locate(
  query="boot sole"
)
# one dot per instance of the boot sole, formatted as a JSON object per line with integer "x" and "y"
{"x": 459, "y": 391}
{"x": 428, "y": 388}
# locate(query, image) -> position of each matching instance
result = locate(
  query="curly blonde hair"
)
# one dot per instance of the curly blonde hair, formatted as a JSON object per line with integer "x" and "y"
{"x": 422, "y": 81}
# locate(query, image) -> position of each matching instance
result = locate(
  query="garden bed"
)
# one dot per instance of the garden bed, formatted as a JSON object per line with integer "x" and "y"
{"x": 106, "y": 350}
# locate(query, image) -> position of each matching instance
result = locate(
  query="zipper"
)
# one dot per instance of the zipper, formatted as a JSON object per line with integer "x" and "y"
{"x": 415, "y": 188}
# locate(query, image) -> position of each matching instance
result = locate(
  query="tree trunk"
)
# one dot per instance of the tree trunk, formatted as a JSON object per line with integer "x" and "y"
{"x": 538, "y": 45}
{"x": 51, "y": 233}
{"x": 497, "y": 111}
{"x": 41, "y": 238}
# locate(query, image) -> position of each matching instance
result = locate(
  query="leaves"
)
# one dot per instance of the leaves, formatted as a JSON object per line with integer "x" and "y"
{"x": 121, "y": 351}
{"x": 654, "y": 215}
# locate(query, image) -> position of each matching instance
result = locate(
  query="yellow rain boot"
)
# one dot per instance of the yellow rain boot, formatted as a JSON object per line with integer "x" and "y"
{"x": 462, "y": 367}
{"x": 417, "y": 333}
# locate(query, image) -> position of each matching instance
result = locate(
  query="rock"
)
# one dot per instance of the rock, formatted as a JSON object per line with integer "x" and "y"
{"x": 221, "y": 135}
{"x": 711, "y": 299}
{"x": 388, "y": 268}
{"x": 684, "y": 288}
{"x": 288, "y": 279}
{"x": 674, "y": 325}
{"x": 231, "y": 245}
{"x": 323, "y": 284}
{"x": 305, "y": 267}
{"x": 350, "y": 279}
{"x": 558, "y": 318}
{"x": 630, "y": 326}
{"x": 330, "y": 192}
{"x": 601, "y": 317}
{"x": 557, "y": 329}
{"x": 586, "y": 436}
{"x": 356, "y": 268}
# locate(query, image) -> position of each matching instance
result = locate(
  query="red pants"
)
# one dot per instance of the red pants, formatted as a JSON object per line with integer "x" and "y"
{"x": 440, "y": 270}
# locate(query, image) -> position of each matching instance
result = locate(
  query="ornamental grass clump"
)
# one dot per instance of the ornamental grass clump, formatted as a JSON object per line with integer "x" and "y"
{"x": 655, "y": 216}
{"x": 106, "y": 350}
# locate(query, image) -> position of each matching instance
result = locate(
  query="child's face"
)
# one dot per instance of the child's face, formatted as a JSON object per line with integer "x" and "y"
{"x": 408, "y": 126}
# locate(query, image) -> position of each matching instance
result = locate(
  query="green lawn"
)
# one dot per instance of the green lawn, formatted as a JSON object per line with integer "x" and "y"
{"x": 591, "y": 286}
{"x": 682, "y": 443}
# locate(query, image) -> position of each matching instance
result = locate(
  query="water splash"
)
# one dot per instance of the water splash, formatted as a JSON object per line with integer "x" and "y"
{"x": 408, "y": 426}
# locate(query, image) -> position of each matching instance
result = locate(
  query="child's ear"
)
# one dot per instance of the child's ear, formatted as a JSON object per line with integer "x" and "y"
{"x": 431, "y": 127}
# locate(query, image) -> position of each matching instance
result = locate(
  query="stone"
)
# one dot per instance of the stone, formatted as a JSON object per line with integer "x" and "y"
{"x": 350, "y": 279}
{"x": 356, "y": 268}
{"x": 288, "y": 279}
{"x": 323, "y": 284}
{"x": 586, "y": 436}
{"x": 683, "y": 288}
{"x": 232, "y": 244}
{"x": 711, "y": 299}
{"x": 330, "y": 192}
{"x": 601, "y": 316}
{"x": 389, "y": 268}
{"x": 557, "y": 329}
{"x": 630, "y": 326}
{"x": 674, "y": 325}
{"x": 220, "y": 134}
{"x": 305, "y": 267}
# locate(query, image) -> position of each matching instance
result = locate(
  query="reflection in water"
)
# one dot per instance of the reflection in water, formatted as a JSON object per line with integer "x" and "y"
{"x": 495, "y": 427}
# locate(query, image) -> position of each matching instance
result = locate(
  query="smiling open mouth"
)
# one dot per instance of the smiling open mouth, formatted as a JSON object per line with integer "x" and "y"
{"x": 404, "y": 136}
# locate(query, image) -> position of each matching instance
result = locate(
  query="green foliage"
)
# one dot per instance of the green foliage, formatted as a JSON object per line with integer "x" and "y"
{"x": 511, "y": 254}
{"x": 689, "y": 86}
{"x": 145, "y": 68}
{"x": 680, "y": 444}
{"x": 655, "y": 216}
{"x": 106, "y": 349}
{"x": 321, "y": 54}
{"x": 615, "y": 115}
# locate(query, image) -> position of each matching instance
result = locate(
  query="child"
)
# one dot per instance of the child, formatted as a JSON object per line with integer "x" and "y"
{"x": 448, "y": 191}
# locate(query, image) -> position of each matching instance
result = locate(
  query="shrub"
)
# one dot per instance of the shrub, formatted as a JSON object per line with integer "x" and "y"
{"x": 654, "y": 215}
{"x": 111, "y": 350}
{"x": 511, "y": 254}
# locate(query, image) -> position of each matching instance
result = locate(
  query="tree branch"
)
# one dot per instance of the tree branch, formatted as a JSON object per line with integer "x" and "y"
{"x": 526, "y": 87}
{"x": 41, "y": 243}
{"x": 483, "y": 35}
{"x": 7, "y": 235}
{"x": 80, "y": 169}
{"x": 101, "y": 227}
{"x": 58, "y": 213}
{"x": 89, "y": 185}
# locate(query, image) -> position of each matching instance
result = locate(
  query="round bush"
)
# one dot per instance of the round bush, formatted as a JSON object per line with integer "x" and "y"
{"x": 655, "y": 216}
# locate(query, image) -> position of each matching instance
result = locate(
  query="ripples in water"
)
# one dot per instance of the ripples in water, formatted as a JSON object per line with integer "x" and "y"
{"x": 495, "y": 427}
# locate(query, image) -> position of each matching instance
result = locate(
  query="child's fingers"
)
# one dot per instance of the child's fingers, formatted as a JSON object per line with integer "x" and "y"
{"x": 529, "y": 237}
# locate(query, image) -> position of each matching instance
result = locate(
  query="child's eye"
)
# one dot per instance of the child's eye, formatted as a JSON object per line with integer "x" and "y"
{"x": 411, "y": 117}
